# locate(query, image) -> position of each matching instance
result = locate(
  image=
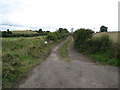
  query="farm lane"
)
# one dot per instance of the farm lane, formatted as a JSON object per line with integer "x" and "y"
{"x": 81, "y": 72}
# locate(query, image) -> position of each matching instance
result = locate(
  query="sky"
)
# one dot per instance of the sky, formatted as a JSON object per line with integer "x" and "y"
{"x": 54, "y": 14}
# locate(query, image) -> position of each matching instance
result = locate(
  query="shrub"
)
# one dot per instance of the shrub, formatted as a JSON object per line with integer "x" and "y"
{"x": 99, "y": 44}
{"x": 59, "y": 34}
{"x": 114, "y": 51}
{"x": 62, "y": 33}
{"x": 100, "y": 48}
{"x": 52, "y": 36}
{"x": 80, "y": 36}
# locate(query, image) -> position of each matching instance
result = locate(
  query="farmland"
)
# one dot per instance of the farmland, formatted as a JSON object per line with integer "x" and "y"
{"x": 24, "y": 32}
{"x": 21, "y": 38}
{"x": 113, "y": 35}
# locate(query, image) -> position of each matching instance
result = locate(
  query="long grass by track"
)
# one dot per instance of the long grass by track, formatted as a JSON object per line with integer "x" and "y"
{"x": 63, "y": 48}
{"x": 21, "y": 54}
{"x": 104, "y": 59}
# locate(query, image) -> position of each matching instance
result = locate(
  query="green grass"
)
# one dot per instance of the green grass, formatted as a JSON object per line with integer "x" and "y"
{"x": 21, "y": 55}
{"x": 63, "y": 48}
{"x": 105, "y": 59}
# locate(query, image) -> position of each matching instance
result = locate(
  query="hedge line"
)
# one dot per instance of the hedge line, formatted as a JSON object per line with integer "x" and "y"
{"x": 100, "y": 48}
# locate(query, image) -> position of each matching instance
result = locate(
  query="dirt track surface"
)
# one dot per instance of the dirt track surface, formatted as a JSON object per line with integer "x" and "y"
{"x": 80, "y": 72}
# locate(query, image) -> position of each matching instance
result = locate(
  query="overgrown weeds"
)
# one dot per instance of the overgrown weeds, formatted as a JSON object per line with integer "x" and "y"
{"x": 19, "y": 56}
{"x": 63, "y": 48}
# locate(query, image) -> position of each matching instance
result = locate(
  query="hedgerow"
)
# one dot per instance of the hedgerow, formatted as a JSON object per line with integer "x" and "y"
{"x": 100, "y": 48}
{"x": 59, "y": 34}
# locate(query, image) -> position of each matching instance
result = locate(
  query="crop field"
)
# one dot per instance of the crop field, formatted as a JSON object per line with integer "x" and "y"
{"x": 21, "y": 38}
{"x": 24, "y": 32}
{"x": 113, "y": 35}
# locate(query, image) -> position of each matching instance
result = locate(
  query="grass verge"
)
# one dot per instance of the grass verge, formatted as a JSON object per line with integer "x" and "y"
{"x": 63, "y": 48}
{"x": 105, "y": 59}
{"x": 21, "y": 55}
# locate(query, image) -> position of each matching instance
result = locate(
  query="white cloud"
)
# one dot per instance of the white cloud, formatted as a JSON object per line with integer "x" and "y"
{"x": 63, "y": 13}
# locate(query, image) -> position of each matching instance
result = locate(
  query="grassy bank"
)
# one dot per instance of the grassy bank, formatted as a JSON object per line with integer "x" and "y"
{"x": 101, "y": 49}
{"x": 20, "y": 55}
{"x": 63, "y": 48}
{"x": 105, "y": 59}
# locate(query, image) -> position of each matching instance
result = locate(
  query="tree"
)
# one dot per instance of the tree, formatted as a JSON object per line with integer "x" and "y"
{"x": 80, "y": 37}
{"x": 62, "y": 33}
{"x": 47, "y": 31}
{"x": 40, "y": 31}
{"x": 52, "y": 36}
{"x": 7, "y": 33}
{"x": 103, "y": 29}
{"x": 8, "y": 30}
{"x": 60, "y": 30}
{"x": 72, "y": 29}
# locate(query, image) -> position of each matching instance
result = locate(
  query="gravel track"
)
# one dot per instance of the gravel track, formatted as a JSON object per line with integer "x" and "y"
{"x": 80, "y": 72}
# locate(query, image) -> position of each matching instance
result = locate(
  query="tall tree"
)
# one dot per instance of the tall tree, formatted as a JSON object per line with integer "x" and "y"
{"x": 8, "y": 30}
{"x": 40, "y": 30}
{"x": 103, "y": 29}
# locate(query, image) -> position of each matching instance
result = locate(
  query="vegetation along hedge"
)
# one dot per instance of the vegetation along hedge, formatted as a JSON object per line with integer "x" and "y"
{"x": 100, "y": 48}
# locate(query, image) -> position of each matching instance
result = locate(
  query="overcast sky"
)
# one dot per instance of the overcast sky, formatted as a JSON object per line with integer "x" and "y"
{"x": 52, "y": 14}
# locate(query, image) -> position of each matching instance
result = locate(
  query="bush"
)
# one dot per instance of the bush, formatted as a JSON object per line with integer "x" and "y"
{"x": 52, "y": 36}
{"x": 59, "y": 34}
{"x": 100, "y": 48}
{"x": 114, "y": 51}
{"x": 80, "y": 36}
{"x": 99, "y": 44}
{"x": 62, "y": 33}
{"x": 103, "y": 45}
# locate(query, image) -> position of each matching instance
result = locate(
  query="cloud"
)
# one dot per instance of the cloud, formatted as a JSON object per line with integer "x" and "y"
{"x": 59, "y": 13}
{"x": 8, "y": 6}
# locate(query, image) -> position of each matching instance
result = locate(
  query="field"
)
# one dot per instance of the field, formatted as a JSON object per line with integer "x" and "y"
{"x": 113, "y": 35}
{"x": 24, "y": 32}
{"x": 21, "y": 54}
{"x": 21, "y": 38}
